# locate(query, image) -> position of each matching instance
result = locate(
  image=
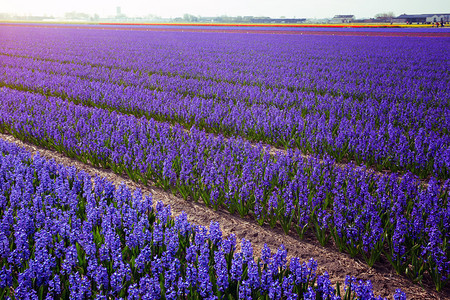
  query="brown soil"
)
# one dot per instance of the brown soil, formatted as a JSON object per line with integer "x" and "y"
{"x": 384, "y": 279}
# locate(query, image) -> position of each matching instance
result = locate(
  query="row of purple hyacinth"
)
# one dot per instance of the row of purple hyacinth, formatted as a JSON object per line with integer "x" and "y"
{"x": 281, "y": 97}
{"x": 396, "y": 111}
{"x": 329, "y": 128}
{"x": 366, "y": 215}
{"x": 405, "y": 114}
{"x": 383, "y": 67}
{"x": 64, "y": 236}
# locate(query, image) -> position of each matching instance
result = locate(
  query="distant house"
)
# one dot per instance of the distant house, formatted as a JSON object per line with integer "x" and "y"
{"x": 422, "y": 18}
{"x": 439, "y": 18}
{"x": 342, "y": 19}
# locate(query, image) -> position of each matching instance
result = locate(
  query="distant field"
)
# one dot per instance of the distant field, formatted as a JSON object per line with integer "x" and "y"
{"x": 316, "y": 29}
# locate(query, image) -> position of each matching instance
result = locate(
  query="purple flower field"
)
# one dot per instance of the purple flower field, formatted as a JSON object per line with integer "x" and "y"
{"x": 65, "y": 236}
{"x": 197, "y": 114}
{"x": 382, "y": 102}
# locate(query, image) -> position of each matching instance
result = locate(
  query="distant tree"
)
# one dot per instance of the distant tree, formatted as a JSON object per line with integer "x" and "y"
{"x": 5, "y": 16}
{"x": 225, "y": 19}
{"x": 190, "y": 18}
{"x": 152, "y": 17}
{"x": 73, "y": 15}
{"x": 385, "y": 17}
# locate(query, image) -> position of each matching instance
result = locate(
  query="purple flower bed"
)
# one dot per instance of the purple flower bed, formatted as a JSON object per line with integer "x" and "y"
{"x": 378, "y": 101}
{"x": 64, "y": 235}
{"x": 366, "y": 215}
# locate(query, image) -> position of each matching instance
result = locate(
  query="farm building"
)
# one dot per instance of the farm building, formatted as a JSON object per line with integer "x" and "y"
{"x": 439, "y": 18}
{"x": 422, "y": 18}
{"x": 342, "y": 19}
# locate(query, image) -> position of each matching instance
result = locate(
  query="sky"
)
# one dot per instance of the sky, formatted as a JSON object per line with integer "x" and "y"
{"x": 270, "y": 8}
